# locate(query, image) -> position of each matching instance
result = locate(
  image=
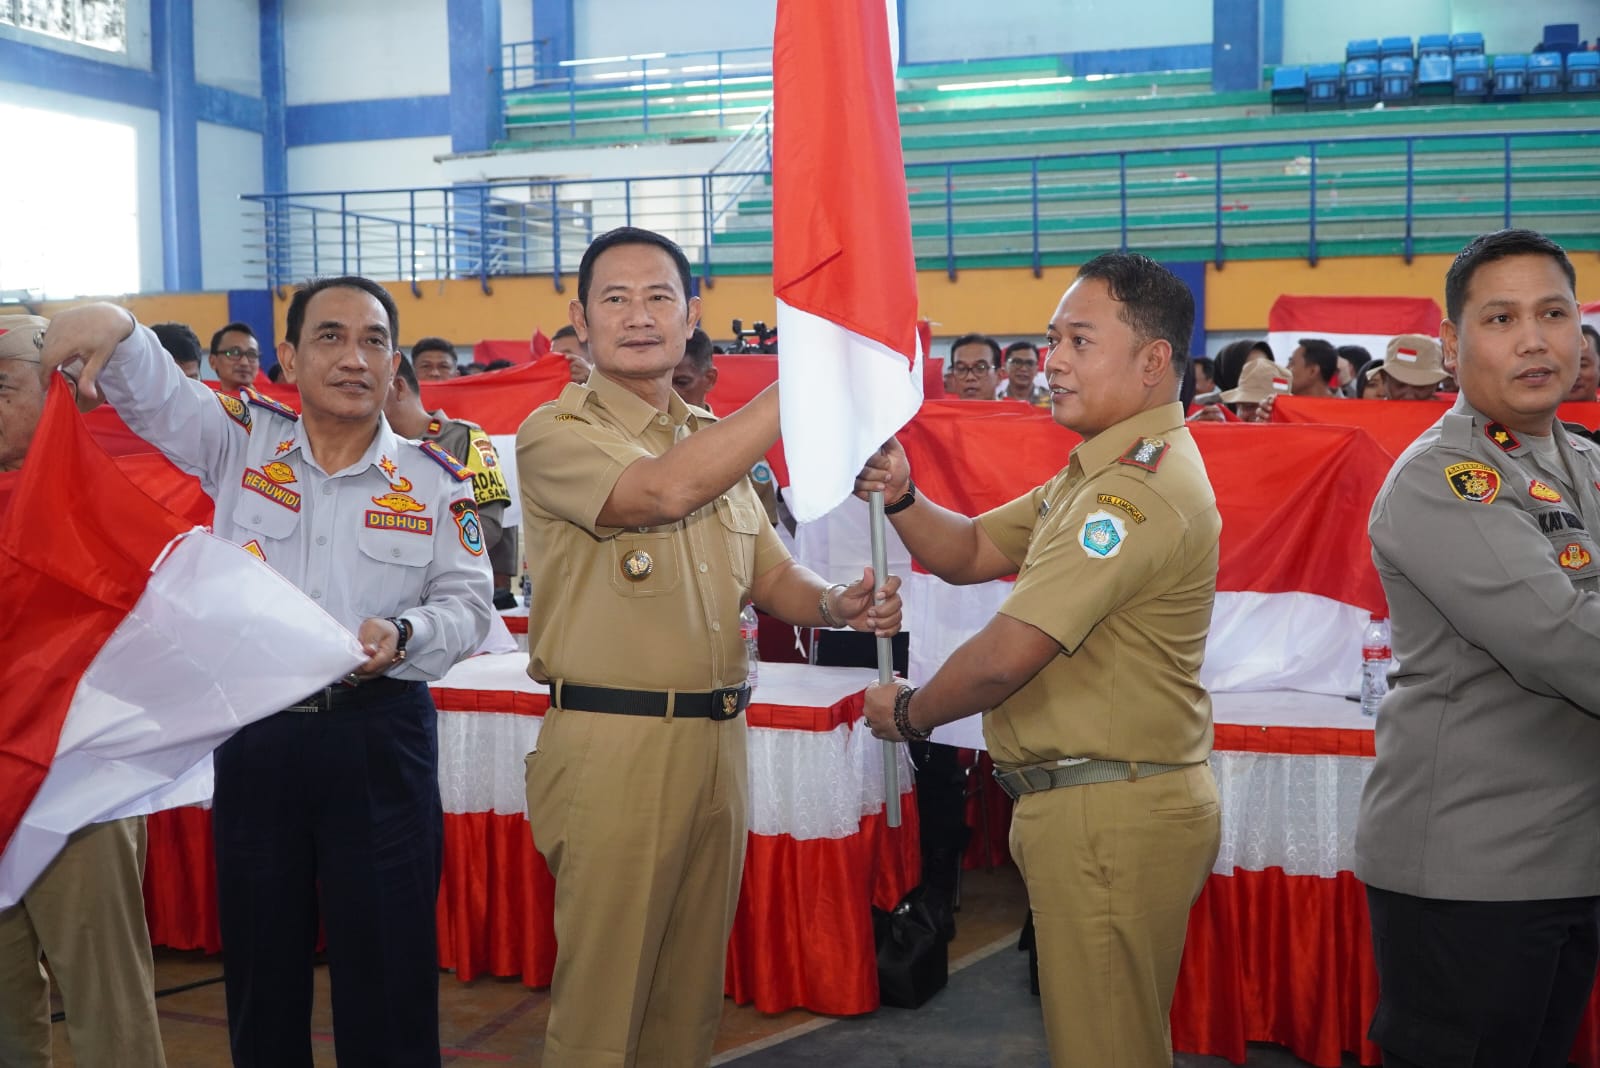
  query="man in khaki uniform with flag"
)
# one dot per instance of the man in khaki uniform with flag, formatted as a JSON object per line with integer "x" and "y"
{"x": 1099, "y": 725}
{"x": 645, "y": 538}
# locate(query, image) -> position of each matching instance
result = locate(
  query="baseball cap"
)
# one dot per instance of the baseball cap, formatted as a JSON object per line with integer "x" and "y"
{"x": 1415, "y": 359}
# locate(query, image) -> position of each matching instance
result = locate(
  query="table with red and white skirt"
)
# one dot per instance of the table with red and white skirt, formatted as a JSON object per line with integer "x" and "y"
{"x": 820, "y": 853}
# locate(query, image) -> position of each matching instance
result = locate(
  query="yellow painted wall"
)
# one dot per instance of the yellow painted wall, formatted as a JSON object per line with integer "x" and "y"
{"x": 204, "y": 312}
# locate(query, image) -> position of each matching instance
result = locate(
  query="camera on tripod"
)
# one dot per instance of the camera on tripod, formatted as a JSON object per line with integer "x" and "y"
{"x": 766, "y": 339}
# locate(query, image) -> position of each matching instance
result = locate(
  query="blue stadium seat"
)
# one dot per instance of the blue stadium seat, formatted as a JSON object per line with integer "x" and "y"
{"x": 1396, "y": 82}
{"x": 1365, "y": 48}
{"x": 1510, "y": 75}
{"x": 1433, "y": 44}
{"x": 1544, "y": 72}
{"x": 1472, "y": 74}
{"x": 1466, "y": 44}
{"x": 1391, "y": 47}
{"x": 1322, "y": 83}
{"x": 1435, "y": 76}
{"x": 1288, "y": 86}
{"x": 1360, "y": 81}
{"x": 1583, "y": 72}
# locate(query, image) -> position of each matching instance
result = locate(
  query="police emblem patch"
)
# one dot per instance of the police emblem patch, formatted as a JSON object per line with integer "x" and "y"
{"x": 1145, "y": 453}
{"x": 466, "y": 517}
{"x": 1541, "y": 492}
{"x": 1102, "y": 535}
{"x": 1477, "y": 483}
{"x": 637, "y": 565}
{"x": 486, "y": 452}
{"x": 1574, "y": 557}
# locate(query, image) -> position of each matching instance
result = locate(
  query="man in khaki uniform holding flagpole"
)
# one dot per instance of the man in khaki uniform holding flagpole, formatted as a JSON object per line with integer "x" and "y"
{"x": 645, "y": 538}
{"x": 1099, "y": 725}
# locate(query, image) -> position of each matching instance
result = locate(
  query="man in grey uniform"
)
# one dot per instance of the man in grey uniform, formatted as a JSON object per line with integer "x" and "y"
{"x": 1479, "y": 834}
{"x": 330, "y": 808}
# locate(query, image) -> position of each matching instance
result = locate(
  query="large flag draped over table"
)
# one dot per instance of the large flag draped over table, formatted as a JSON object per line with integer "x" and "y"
{"x": 1366, "y": 321}
{"x": 135, "y": 644}
{"x": 842, "y": 271}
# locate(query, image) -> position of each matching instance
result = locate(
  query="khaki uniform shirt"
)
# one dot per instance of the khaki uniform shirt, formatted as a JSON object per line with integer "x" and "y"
{"x": 1487, "y": 780}
{"x": 469, "y": 443}
{"x": 647, "y": 608}
{"x": 1118, "y": 563}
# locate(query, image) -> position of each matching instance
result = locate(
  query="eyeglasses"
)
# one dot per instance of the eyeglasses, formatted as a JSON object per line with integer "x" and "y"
{"x": 1021, "y": 361}
{"x": 239, "y": 354}
{"x": 970, "y": 369}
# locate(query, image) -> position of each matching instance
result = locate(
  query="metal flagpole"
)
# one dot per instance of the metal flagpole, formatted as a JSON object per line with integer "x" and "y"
{"x": 891, "y": 750}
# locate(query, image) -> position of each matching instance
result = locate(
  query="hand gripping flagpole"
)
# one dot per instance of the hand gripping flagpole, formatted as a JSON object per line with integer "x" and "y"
{"x": 891, "y": 750}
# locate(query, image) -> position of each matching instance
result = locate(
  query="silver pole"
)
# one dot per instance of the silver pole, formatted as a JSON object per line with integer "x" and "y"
{"x": 891, "y": 750}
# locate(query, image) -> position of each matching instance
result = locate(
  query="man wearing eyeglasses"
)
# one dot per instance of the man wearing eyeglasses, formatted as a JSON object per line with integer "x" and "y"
{"x": 1022, "y": 371}
{"x": 235, "y": 356}
{"x": 974, "y": 366}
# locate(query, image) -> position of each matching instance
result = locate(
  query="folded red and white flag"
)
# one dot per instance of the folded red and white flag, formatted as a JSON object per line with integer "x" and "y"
{"x": 135, "y": 644}
{"x": 842, "y": 266}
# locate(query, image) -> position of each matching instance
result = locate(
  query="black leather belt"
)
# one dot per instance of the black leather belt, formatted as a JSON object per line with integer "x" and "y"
{"x": 340, "y": 695}
{"x": 716, "y": 705}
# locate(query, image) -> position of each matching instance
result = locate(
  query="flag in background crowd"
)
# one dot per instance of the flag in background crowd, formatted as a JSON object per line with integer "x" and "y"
{"x": 136, "y": 644}
{"x": 1366, "y": 321}
{"x": 843, "y": 269}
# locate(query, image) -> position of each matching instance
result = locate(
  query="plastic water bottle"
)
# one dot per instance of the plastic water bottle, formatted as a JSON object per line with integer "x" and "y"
{"x": 748, "y": 627}
{"x": 1375, "y": 656}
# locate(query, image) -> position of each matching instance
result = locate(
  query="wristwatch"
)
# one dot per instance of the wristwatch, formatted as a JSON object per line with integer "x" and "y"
{"x": 403, "y": 626}
{"x": 904, "y": 502}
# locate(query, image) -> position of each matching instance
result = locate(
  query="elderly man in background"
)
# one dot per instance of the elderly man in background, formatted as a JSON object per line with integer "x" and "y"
{"x": 1412, "y": 368}
{"x": 86, "y": 911}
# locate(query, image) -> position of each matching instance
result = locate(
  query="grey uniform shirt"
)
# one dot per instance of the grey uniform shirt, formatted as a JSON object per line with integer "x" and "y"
{"x": 359, "y": 542}
{"x": 1487, "y": 780}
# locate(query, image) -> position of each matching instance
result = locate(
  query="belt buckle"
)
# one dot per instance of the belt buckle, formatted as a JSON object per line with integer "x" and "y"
{"x": 1004, "y": 779}
{"x": 726, "y": 704}
{"x": 1037, "y": 778}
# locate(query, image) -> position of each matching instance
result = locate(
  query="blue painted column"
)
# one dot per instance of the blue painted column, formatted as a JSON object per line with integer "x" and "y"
{"x": 553, "y": 30}
{"x": 476, "y": 115}
{"x": 1235, "y": 45}
{"x": 274, "y": 144}
{"x": 172, "y": 49}
{"x": 1271, "y": 32}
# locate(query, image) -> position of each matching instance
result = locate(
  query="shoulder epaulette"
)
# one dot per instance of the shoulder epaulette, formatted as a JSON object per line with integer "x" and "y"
{"x": 1502, "y": 438}
{"x": 262, "y": 401}
{"x": 235, "y": 408}
{"x": 438, "y": 455}
{"x": 1145, "y": 453}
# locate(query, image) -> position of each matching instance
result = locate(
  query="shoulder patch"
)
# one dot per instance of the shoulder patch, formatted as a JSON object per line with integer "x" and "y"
{"x": 1503, "y": 439}
{"x": 1122, "y": 502}
{"x": 235, "y": 409}
{"x": 1102, "y": 536}
{"x": 456, "y": 469}
{"x": 761, "y": 473}
{"x": 1473, "y": 482}
{"x": 465, "y": 513}
{"x": 1145, "y": 453}
{"x": 262, "y": 401}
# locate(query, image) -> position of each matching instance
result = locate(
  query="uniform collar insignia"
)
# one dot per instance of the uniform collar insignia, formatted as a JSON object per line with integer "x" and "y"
{"x": 1503, "y": 439}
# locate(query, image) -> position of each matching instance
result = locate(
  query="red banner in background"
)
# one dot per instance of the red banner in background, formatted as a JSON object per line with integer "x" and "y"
{"x": 1394, "y": 425}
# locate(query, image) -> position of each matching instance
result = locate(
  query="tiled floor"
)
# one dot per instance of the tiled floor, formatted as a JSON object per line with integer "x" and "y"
{"x": 493, "y": 1021}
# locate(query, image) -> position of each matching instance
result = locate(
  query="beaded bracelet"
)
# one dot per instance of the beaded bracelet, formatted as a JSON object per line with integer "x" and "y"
{"x": 902, "y": 716}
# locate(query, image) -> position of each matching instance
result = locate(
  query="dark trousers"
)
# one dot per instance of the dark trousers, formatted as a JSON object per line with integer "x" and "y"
{"x": 339, "y": 809}
{"x": 1495, "y": 984}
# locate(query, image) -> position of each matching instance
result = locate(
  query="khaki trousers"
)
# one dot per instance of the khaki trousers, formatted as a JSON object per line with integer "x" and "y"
{"x": 642, "y": 821}
{"x": 1112, "y": 870}
{"x": 86, "y": 914}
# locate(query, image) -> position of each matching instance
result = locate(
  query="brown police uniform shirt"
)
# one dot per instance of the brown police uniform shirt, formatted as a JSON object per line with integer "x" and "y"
{"x": 1117, "y": 559}
{"x": 647, "y": 608}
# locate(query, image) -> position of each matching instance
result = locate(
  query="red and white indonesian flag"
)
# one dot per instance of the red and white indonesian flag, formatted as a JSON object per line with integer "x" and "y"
{"x": 135, "y": 644}
{"x": 1366, "y": 321}
{"x": 1591, "y": 314}
{"x": 843, "y": 273}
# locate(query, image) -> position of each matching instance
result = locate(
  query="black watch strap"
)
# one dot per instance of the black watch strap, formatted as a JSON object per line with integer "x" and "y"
{"x": 904, "y": 502}
{"x": 403, "y": 626}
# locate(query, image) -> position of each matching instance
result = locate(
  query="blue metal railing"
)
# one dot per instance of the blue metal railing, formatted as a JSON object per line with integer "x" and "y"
{"x": 710, "y": 77}
{"x": 1200, "y": 200}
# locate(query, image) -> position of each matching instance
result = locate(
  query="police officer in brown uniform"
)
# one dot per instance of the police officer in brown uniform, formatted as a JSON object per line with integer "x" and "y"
{"x": 1099, "y": 725}
{"x": 1478, "y": 830}
{"x": 644, "y": 540}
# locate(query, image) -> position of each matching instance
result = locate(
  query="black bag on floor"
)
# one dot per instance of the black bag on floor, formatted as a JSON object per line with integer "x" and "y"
{"x": 913, "y": 960}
